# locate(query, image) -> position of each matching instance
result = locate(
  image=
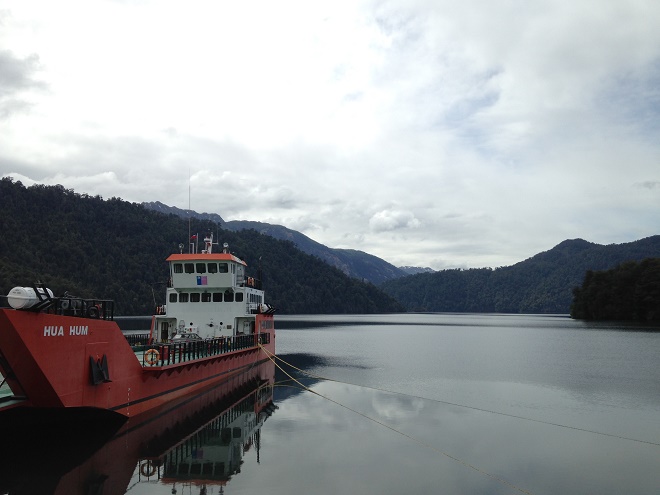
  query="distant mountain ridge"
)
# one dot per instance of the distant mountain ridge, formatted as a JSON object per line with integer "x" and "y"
{"x": 163, "y": 208}
{"x": 412, "y": 270}
{"x": 354, "y": 263}
{"x": 541, "y": 284}
{"x": 90, "y": 246}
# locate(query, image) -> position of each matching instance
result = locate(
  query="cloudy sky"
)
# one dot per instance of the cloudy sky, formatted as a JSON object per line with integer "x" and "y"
{"x": 426, "y": 132}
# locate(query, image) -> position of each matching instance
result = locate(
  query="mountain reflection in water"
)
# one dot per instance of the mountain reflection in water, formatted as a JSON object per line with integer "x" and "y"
{"x": 200, "y": 442}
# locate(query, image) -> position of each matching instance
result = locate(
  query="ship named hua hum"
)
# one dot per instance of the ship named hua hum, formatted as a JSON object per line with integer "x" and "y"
{"x": 68, "y": 352}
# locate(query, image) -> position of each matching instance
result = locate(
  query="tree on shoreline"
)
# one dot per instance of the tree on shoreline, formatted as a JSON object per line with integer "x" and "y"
{"x": 631, "y": 291}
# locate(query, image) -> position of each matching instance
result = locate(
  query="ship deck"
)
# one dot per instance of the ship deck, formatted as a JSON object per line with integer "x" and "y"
{"x": 167, "y": 354}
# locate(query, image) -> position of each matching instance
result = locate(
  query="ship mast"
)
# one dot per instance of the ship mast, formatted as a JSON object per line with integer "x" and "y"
{"x": 208, "y": 243}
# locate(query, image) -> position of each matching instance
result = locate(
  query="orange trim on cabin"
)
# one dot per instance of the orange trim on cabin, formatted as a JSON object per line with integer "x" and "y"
{"x": 206, "y": 257}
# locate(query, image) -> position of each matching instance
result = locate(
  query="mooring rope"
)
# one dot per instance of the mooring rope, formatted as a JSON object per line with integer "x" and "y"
{"x": 559, "y": 425}
{"x": 272, "y": 357}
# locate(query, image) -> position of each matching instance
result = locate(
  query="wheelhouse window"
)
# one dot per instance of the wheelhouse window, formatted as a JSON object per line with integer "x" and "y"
{"x": 201, "y": 267}
{"x": 178, "y": 268}
{"x": 190, "y": 267}
{"x": 223, "y": 268}
{"x": 213, "y": 268}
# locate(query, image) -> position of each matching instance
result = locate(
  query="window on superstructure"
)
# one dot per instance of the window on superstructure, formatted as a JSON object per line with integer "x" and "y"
{"x": 223, "y": 267}
{"x": 183, "y": 297}
{"x": 173, "y": 297}
{"x": 201, "y": 267}
{"x": 239, "y": 297}
{"x": 213, "y": 268}
{"x": 190, "y": 267}
{"x": 206, "y": 297}
{"x": 178, "y": 268}
{"x": 217, "y": 297}
{"x": 229, "y": 296}
{"x": 194, "y": 297}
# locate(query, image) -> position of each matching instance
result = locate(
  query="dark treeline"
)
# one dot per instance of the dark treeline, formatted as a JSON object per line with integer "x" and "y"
{"x": 541, "y": 284}
{"x": 114, "y": 249}
{"x": 631, "y": 291}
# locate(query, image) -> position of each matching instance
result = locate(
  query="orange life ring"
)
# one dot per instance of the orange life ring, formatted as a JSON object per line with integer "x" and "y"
{"x": 147, "y": 468}
{"x": 152, "y": 356}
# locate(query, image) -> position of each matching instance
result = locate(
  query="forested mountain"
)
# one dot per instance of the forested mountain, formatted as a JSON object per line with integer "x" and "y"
{"x": 115, "y": 249}
{"x": 353, "y": 263}
{"x": 541, "y": 284}
{"x": 631, "y": 291}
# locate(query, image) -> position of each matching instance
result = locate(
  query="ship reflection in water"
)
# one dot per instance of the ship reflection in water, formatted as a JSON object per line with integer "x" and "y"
{"x": 199, "y": 442}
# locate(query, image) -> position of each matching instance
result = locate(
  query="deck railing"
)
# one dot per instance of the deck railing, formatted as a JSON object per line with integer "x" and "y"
{"x": 135, "y": 339}
{"x": 179, "y": 352}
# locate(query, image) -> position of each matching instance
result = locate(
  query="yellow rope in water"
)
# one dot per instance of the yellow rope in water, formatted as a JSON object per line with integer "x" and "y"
{"x": 271, "y": 356}
{"x": 594, "y": 432}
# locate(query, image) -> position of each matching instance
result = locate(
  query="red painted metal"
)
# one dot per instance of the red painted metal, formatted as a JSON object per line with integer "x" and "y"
{"x": 206, "y": 257}
{"x": 46, "y": 358}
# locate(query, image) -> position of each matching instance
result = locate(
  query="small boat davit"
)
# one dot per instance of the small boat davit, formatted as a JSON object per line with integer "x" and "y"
{"x": 68, "y": 354}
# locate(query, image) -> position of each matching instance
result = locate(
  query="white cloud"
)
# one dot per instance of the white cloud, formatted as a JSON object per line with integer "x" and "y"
{"x": 472, "y": 133}
{"x": 386, "y": 220}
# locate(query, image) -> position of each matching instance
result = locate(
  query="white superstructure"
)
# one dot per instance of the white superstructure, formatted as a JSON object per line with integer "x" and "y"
{"x": 210, "y": 295}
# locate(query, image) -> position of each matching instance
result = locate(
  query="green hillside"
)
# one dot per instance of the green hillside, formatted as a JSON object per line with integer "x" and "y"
{"x": 541, "y": 284}
{"x": 631, "y": 291}
{"x": 114, "y": 249}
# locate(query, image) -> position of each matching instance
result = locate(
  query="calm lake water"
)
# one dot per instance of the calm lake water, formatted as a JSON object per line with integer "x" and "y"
{"x": 414, "y": 404}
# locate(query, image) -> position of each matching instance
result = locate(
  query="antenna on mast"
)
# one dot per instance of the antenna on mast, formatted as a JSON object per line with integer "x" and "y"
{"x": 189, "y": 210}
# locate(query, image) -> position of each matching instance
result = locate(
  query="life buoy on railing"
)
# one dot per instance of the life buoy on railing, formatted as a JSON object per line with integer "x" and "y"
{"x": 147, "y": 468}
{"x": 151, "y": 357}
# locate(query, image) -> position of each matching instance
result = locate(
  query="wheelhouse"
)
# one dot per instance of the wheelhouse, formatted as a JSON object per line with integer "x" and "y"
{"x": 210, "y": 294}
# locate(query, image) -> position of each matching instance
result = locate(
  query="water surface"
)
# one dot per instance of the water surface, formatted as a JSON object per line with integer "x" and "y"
{"x": 441, "y": 403}
{"x": 545, "y": 403}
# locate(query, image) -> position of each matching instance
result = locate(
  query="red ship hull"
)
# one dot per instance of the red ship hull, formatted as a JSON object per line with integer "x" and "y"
{"x": 49, "y": 359}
